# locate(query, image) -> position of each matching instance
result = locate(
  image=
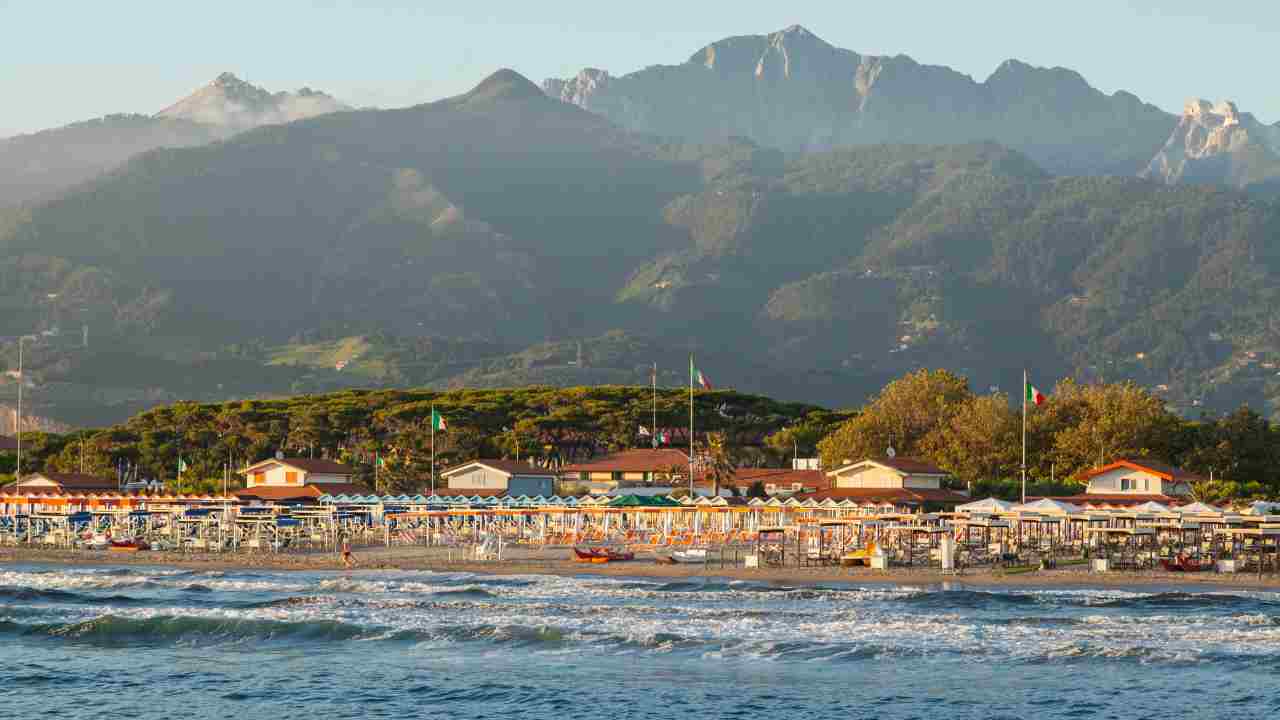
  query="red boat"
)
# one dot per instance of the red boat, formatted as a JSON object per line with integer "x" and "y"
{"x": 602, "y": 555}
{"x": 128, "y": 546}
{"x": 1182, "y": 563}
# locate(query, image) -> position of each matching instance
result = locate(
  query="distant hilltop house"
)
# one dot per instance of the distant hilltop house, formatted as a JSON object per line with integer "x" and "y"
{"x": 55, "y": 483}
{"x": 500, "y": 477}
{"x": 297, "y": 480}
{"x": 904, "y": 483}
{"x": 629, "y": 467}
{"x": 1134, "y": 482}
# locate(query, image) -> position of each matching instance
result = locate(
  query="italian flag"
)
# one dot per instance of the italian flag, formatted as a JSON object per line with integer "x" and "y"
{"x": 437, "y": 421}
{"x": 696, "y": 376}
{"x": 1034, "y": 396}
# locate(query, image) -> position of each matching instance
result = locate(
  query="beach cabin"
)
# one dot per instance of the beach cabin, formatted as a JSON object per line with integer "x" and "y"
{"x": 297, "y": 479}
{"x": 500, "y": 477}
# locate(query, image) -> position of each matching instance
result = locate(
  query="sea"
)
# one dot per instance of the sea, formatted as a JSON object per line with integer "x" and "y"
{"x": 152, "y": 642}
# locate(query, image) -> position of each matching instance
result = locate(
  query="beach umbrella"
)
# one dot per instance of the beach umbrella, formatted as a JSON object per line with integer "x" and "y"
{"x": 1049, "y": 505}
{"x": 1260, "y": 507}
{"x": 989, "y": 505}
{"x": 1199, "y": 508}
{"x": 326, "y": 498}
{"x": 1152, "y": 506}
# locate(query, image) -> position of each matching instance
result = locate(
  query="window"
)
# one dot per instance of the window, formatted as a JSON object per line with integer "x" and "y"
{"x": 290, "y": 478}
{"x": 1126, "y": 484}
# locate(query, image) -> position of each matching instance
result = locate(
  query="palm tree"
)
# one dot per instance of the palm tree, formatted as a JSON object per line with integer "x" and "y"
{"x": 721, "y": 466}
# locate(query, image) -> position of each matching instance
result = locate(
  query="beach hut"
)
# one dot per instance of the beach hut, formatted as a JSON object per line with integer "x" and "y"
{"x": 990, "y": 505}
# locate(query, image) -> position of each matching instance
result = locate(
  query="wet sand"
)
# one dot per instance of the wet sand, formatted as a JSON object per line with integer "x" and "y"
{"x": 522, "y": 561}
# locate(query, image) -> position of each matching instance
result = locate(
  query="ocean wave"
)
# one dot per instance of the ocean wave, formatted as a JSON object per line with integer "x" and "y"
{"x": 462, "y": 593}
{"x": 55, "y": 595}
{"x": 118, "y": 631}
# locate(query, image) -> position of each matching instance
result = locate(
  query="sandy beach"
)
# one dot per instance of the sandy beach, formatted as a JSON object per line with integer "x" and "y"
{"x": 559, "y": 562}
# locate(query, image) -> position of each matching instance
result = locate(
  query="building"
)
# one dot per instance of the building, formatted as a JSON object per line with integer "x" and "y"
{"x": 782, "y": 482}
{"x": 629, "y": 467}
{"x": 904, "y": 483}
{"x": 888, "y": 473}
{"x": 500, "y": 477}
{"x": 54, "y": 483}
{"x": 297, "y": 480}
{"x": 1134, "y": 482}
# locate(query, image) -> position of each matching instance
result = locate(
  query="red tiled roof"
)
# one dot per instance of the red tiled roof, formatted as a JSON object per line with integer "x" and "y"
{"x": 745, "y": 477}
{"x": 72, "y": 481}
{"x": 470, "y": 492}
{"x": 633, "y": 461}
{"x": 1159, "y": 469}
{"x": 8, "y": 444}
{"x": 511, "y": 467}
{"x": 301, "y": 492}
{"x": 1116, "y": 499}
{"x": 904, "y": 495}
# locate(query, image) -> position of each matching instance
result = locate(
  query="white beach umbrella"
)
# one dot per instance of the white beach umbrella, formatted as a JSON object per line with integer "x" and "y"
{"x": 989, "y": 505}
{"x": 1199, "y": 508}
{"x": 1152, "y": 506}
{"x": 1050, "y": 506}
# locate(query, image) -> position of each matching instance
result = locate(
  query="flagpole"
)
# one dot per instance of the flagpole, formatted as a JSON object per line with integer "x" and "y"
{"x": 690, "y": 426}
{"x": 653, "y": 377}
{"x": 433, "y": 449}
{"x": 1024, "y": 437}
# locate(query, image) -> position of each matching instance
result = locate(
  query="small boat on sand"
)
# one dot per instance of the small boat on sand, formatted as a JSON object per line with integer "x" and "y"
{"x": 691, "y": 556}
{"x": 128, "y": 545}
{"x": 1182, "y": 563}
{"x": 602, "y": 555}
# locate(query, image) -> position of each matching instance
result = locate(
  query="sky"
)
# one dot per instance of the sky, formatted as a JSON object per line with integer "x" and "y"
{"x": 63, "y": 61}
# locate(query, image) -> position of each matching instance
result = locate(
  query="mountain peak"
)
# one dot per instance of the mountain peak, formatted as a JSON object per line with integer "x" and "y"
{"x": 505, "y": 84}
{"x": 228, "y": 101}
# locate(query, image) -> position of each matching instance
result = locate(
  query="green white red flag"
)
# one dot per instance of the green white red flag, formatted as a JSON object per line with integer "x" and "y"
{"x": 1033, "y": 395}
{"x": 696, "y": 376}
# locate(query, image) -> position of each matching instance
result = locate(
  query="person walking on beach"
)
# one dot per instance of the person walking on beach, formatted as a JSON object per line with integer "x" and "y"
{"x": 348, "y": 560}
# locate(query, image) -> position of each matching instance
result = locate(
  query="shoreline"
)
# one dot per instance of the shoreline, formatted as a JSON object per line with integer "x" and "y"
{"x": 441, "y": 560}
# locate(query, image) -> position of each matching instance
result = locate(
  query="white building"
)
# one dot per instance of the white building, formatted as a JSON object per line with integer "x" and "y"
{"x": 1139, "y": 477}
{"x": 888, "y": 473}
{"x": 500, "y": 477}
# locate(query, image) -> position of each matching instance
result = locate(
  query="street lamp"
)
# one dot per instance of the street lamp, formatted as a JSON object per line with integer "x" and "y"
{"x": 17, "y": 420}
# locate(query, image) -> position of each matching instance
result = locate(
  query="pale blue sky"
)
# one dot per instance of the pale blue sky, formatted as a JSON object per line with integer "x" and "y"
{"x": 63, "y": 61}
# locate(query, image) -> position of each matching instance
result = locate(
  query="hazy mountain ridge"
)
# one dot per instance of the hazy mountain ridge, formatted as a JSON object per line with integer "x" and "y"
{"x": 231, "y": 102}
{"x": 37, "y": 166}
{"x": 794, "y": 91}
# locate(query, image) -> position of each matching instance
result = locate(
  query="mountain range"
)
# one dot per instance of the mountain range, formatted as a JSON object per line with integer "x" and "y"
{"x": 504, "y": 236}
{"x": 793, "y": 91}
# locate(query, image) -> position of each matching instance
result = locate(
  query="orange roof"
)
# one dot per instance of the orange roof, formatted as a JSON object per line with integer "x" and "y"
{"x": 633, "y": 461}
{"x": 781, "y": 476}
{"x": 895, "y": 495}
{"x": 1159, "y": 469}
